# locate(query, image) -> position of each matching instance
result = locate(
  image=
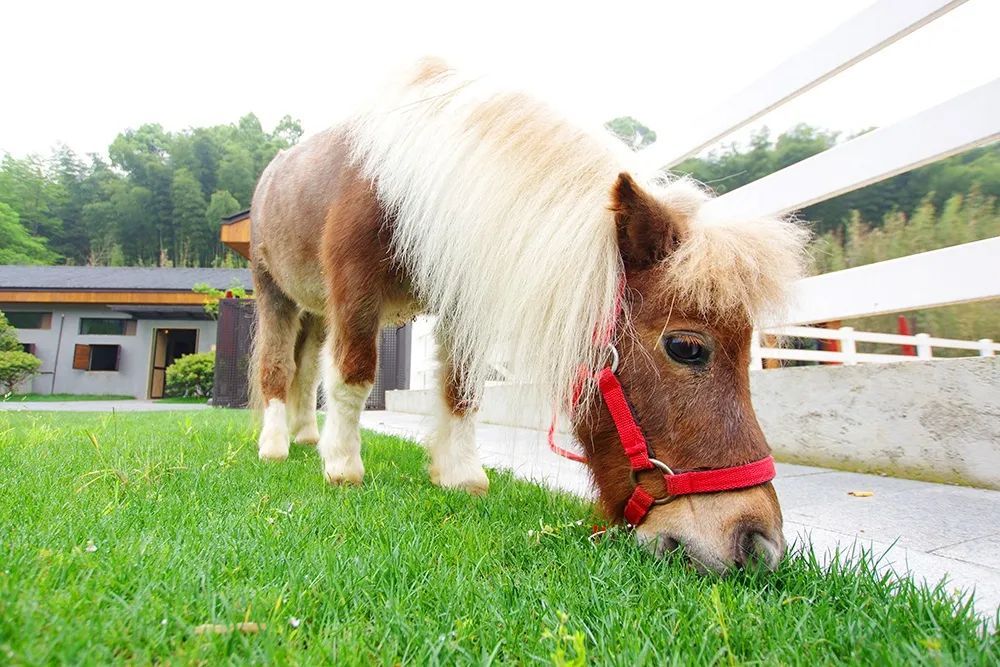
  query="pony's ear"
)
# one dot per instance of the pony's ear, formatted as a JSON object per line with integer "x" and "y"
{"x": 647, "y": 230}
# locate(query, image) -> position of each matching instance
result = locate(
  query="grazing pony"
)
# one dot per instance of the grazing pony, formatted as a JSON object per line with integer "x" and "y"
{"x": 536, "y": 245}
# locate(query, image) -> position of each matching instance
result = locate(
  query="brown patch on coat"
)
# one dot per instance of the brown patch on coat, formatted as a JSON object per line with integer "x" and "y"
{"x": 361, "y": 277}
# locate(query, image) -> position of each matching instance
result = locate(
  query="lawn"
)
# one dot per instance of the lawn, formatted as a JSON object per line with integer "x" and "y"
{"x": 47, "y": 398}
{"x": 123, "y": 536}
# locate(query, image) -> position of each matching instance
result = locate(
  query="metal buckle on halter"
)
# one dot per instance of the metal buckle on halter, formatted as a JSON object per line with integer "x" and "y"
{"x": 614, "y": 357}
{"x": 664, "y": 468}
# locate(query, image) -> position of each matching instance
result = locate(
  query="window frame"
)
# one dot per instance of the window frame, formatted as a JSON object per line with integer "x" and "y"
{"x": 128, "y": 326}
{"x": 44, "y": 319}
{"x": 83, "y": 357}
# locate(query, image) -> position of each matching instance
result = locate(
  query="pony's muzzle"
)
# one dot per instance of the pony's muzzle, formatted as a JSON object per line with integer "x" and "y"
{"x": 718, "y": 532}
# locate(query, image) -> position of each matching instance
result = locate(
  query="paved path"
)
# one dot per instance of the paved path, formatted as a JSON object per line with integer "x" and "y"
{"x": 929, "y": 530}
{"x": 98, "y": 406}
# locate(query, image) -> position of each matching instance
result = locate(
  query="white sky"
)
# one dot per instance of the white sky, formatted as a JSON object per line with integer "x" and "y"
{"x": 80, "y": 72}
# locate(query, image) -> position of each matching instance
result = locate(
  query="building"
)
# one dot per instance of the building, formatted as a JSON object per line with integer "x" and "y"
{"x": 110, "y": 330}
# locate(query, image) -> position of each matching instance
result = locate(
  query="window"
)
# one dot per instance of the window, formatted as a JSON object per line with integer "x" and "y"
{"x": 28, "y": 347}
{"x": 96, "y": 357}
{"x": 106, "y": 326}
{"x": 29, "y": 320}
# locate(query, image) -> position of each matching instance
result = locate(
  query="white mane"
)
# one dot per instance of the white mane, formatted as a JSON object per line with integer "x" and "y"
{"x": 501, "y": 216}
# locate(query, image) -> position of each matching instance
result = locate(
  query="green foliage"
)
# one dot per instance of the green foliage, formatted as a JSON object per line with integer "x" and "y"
{"x": 149, "y": 206}
{"x": 17, "y": 245}
{"x": 8, "y": 336}
{"x": 962, "y": 219}
{"x": 16, "y": 367}
{"x": 191, "y": 375}
{"x": 157, "y": 513}
{"x": 214, "y": 295}
{"x": 196, "y": 244}
{"x": 734, "y": 166}
{"x": 634, "y": 134}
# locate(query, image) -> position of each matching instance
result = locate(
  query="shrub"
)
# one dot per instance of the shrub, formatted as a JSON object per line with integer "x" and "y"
{"x": 8, "y": 336}
{"x": 16, "y": 367}
{"x": 191, "y": 375}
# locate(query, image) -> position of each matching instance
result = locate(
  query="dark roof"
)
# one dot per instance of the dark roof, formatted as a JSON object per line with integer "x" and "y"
{"x": 118, "y": 278}
{"x": 236, "y": 217}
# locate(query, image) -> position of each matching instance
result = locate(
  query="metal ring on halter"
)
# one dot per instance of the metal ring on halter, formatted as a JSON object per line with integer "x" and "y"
{"x": 614, "y": 357}
{"x": 664, "y": 468}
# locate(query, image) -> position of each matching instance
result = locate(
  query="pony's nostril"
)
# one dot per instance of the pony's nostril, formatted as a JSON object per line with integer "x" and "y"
{"x": 750, "y": 544}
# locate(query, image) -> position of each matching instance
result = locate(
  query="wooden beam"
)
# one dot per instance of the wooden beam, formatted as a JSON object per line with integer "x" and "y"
{"x": 98, "y": 297}
{"x": 236, "y": 235}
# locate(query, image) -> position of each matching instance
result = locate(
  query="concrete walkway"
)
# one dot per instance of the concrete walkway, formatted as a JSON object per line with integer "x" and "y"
{"x": 932, "y": 531}
{"x": 97, "y": 406}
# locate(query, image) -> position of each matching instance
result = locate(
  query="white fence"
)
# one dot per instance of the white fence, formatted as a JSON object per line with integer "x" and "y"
{"x": 961, "y": 274}
{"x": 922, "y": 344}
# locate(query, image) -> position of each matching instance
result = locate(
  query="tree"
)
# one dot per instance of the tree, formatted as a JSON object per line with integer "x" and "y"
{"x": 8, "y": 336}
{"x": 195, "y": 242}
{"x": 16, "y": 365}
{"x": 17, "y": 246}
{"x": 635, "y": 135}
{"x": 236, "y": 173}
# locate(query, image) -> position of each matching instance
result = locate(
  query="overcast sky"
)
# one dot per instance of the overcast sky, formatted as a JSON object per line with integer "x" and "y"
{"x": 80, "y": 72}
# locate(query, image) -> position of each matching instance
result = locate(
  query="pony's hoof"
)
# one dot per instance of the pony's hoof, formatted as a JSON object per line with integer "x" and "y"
{"x": 474, "y": 482}
{"x": 272, "y": 447}
{"x": 272, "y": 455}
{"x": 308, "y": 435}
{"x": 346, "y": 474}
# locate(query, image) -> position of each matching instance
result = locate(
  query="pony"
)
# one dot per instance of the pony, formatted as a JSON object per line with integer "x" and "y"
{"x": 536, "y": 242}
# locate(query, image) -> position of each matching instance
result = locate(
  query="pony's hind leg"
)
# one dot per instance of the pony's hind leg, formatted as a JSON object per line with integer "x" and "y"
{"x": 349, "y": 359}
{"x": 274, "y": 362}
{"x": 455, "y": 462}
{"x": 302, "y": 396}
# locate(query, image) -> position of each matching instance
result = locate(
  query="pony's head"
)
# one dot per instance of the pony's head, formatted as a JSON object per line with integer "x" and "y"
{"x": 694, "y": 288}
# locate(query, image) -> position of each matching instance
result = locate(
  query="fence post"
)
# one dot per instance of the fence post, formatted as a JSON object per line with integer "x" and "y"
{"x": 756, "y": 361}
{"x": 985, "y": 347}
{"x": 924, "y": 350}
{"x": 847, "y": 346}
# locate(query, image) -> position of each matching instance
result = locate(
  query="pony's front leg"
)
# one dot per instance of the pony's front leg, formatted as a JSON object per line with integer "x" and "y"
{"x": 455, "y": 460}
{"x": 349, "y": 358}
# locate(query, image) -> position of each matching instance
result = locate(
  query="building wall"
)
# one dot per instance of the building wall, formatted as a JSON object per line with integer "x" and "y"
{"x": 135, "y": 362}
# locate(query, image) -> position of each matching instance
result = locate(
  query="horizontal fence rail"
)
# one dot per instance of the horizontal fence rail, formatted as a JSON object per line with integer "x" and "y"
{"x": 964, "y": 122}
{"x": 865, "y": 34}
{"x": 847, "y": 337}
{"x": 959, "y": 274}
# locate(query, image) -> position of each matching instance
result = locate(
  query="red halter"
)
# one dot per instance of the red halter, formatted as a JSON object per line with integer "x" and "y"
{"x": 637, "y": 450}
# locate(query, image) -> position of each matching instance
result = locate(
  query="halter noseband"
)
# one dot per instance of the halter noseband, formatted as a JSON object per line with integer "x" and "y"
{"x": 637, "y": 451}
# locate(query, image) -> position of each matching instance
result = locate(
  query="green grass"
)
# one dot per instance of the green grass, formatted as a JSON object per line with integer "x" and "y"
{"x": 46, "y": 398}
{"x": 121, "y": 534}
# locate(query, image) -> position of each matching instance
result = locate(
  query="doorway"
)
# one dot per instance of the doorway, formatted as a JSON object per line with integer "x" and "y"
{"x": 169, "y": 345}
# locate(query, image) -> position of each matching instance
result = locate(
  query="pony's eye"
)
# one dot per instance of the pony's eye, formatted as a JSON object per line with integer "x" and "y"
{"x": 685, "y": 349}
